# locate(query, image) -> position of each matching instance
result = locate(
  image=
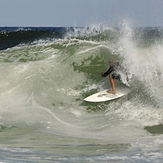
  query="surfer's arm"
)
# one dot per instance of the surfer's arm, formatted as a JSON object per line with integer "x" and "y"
{"x": 104, "y": 74}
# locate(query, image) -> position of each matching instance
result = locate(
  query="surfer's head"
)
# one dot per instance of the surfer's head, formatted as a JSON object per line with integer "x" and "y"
{"x": 111, "y": 61}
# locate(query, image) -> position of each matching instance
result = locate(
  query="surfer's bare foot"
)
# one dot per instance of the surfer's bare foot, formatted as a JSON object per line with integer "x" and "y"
{"x": 111, "y": 91}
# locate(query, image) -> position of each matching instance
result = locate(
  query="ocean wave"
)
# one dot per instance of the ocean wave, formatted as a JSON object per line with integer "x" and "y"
{"x": 43, "y": 84}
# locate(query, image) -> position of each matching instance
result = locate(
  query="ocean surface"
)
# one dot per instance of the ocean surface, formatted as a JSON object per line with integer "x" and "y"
{"x": 47, "y": 72}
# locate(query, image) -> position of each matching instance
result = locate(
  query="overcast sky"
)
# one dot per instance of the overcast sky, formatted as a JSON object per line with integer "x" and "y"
{"x": 66, "y": 13}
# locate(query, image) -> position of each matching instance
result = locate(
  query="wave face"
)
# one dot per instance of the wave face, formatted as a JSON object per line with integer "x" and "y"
{"x": 47, "y": 72}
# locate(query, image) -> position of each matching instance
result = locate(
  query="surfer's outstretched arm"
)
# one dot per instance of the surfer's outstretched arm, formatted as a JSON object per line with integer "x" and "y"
{"x": 104, "y": 74}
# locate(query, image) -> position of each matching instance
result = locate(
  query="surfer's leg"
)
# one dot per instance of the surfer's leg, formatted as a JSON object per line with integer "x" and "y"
{"x": 113, "y": 90}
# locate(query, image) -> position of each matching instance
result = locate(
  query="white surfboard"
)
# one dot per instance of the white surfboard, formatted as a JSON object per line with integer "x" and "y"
{"x": 105, "y": 96}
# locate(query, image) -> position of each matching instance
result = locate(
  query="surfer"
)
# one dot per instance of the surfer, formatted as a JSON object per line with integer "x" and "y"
{"x": 114, "y": 72}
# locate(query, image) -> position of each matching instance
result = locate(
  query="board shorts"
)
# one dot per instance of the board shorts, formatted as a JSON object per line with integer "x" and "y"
{"x": 116, "y": 76}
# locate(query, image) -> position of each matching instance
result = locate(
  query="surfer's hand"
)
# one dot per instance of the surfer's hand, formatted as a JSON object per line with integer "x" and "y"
{"x": 102, "y": 73}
